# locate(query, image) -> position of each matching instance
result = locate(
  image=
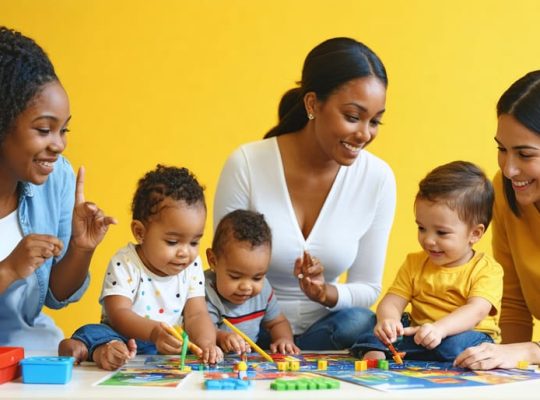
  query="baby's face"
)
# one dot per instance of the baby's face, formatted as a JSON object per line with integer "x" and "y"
{"x": 170, "y": 240}
{"x": 444, "y": 237}
{"x": 240, "y": 270}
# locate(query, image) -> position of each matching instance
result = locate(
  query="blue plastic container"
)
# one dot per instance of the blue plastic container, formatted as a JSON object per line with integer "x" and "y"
{"x": 47, "y": 369}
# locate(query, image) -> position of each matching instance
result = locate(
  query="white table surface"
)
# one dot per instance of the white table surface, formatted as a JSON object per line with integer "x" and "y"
{"x": 84, "y": 377}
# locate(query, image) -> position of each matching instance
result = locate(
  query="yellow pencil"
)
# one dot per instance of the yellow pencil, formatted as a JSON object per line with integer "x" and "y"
{"x": 176, "y": 332}
{"x": 248, "y": 340}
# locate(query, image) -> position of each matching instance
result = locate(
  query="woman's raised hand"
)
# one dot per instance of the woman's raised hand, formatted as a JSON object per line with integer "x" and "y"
{"x": 89, "y": 224}
{"x": 309, "y": 272}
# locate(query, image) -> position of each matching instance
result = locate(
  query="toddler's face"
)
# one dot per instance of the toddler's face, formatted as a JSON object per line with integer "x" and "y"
{"x": 240, "y": 270}
{"x": 170, "y": 240}
{"x": 444, "y": 237}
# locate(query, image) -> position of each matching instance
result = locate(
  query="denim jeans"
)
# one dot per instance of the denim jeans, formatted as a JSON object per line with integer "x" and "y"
{"x": 94, "y": 335}
{"x": 447, "y": 350}
{"x": 338, "y": 330}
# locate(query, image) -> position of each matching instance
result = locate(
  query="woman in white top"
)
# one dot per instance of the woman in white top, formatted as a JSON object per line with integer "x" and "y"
{"x": 329, "y": 203}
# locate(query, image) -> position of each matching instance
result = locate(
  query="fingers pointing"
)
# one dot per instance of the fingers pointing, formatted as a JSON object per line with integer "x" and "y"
{"x": 79, "y": 188}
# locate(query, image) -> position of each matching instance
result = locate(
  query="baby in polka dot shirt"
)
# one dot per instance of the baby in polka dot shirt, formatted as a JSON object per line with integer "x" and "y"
{"x": 155, "y": 283}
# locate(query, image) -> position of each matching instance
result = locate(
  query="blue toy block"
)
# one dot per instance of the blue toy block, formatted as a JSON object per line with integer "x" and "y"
{"x": 47, "y": 369}
{"x": 227, "y": 384}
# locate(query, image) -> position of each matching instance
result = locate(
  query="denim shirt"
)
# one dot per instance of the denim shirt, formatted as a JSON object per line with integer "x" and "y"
{"x": 42, "y": 209}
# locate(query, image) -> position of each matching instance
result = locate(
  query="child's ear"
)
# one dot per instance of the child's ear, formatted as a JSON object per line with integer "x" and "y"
{"x": 477, "y": 233}
{"x": 211, "y": 257}
{"x": 138, "y": 230}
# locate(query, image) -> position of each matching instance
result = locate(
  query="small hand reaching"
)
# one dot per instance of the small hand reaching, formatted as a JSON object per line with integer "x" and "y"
{"x": 388, "y": 330}
{"x": 427, "y": 335}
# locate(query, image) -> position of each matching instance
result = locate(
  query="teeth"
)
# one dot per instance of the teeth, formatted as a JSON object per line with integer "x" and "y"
{"x": 520, "y": 183}
{"x": 45, "y": 163}
{"x": 350, "y": 146}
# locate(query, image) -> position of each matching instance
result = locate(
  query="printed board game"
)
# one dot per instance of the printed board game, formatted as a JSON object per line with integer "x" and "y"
{"x": 164, "y": 371}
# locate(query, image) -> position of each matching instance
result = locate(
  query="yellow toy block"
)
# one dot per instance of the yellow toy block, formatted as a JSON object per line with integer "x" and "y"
{"x": 360, "y": 365}
{"x": 322, "y": 365}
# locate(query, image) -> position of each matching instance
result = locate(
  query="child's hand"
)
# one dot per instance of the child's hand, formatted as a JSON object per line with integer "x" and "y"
{"x": 165, "y": 342}
{"x": 284, "y": 346}
{"x": 231, "y": 342}
{"x": 388, "y": 330}
{"x": 211, "y": 354}
{"x": 427, "y": 335}
{"x": 114, "y": 354}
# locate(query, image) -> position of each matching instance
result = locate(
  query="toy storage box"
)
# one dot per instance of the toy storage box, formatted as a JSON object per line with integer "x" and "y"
{"x": 47, "y": 369}
{"x": 9, "y": 363}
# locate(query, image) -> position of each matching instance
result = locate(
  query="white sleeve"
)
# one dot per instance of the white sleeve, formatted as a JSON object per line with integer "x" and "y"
{"x": 233, "y": 189}
{"x": 364, "y": 278}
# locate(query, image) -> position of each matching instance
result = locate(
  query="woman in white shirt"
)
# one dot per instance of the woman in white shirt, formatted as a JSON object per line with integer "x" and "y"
{"x": 330, "y": 204}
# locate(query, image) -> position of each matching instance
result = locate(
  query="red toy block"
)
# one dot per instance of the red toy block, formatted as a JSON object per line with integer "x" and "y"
{"x": 9, "y": 363}
{"x": 372, "y": 362}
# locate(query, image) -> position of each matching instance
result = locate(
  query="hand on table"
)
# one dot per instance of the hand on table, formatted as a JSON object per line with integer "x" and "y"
{"x": 490, "y": 355}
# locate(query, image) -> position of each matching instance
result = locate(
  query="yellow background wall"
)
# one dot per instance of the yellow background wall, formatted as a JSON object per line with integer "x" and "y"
{"x": 186, "y": 82}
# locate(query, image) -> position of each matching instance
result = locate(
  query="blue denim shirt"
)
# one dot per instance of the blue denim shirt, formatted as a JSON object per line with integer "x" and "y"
{"x": 43, "y": 209}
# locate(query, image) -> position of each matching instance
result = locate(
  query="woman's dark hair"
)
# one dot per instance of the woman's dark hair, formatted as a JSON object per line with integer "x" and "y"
{"x": 243, "y": 226}
{"x": 160, "y": 183}
{"x": 328, "y": 66}
{"x": 24, "y": 69}
{"x": 522, "y": 101}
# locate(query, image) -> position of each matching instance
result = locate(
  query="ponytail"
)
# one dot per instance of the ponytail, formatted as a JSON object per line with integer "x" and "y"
{"x": 291, "y": 113}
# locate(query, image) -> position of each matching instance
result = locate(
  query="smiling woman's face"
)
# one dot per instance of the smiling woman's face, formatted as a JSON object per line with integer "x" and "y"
{"x": 37, "y": 137}
{"x": 519, "y": 158}
{"x": 349, "y": 119}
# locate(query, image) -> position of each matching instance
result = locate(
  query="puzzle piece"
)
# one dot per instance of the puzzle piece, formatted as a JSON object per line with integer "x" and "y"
{"x": 227, "y": 384}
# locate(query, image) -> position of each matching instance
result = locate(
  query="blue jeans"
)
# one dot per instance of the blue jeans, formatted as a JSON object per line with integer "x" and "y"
{"x": 338, "y": 330}
{"x": 447, "y": 350}
{"x": 94, "y": 335}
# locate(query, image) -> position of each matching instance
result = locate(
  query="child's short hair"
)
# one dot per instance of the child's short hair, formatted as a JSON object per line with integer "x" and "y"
{"x": 463, "y": 187}
{"x": 244, "y": 226}
{"x": 163, "y": 182}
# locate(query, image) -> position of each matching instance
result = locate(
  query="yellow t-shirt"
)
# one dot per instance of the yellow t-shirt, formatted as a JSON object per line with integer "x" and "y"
{"x": 516, "y": 246}
{"x": 436, "y": 291}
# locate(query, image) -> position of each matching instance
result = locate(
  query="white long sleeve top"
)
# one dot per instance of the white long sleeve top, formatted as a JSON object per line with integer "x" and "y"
{"x": 350, "y": 234}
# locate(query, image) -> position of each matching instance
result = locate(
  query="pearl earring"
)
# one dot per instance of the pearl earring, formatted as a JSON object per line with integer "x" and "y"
{"x": 311, "y": 116}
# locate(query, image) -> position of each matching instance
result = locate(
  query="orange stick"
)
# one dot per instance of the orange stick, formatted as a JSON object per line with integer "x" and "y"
{"x": 395, "y": 354}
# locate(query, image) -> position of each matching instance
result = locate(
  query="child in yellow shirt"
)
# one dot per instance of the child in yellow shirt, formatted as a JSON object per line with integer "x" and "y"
{"x": 454, "y": 292}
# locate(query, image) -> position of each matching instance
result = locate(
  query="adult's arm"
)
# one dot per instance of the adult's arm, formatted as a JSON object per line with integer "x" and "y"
{"x": 516, "y": 320}
{"x": 88, "y": 227}
{"x": 364, "y": 277}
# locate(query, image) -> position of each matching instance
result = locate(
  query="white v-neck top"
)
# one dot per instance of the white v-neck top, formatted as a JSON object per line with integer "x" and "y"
{"x": 11, "y": 234}
{"x": 350, "y": 234}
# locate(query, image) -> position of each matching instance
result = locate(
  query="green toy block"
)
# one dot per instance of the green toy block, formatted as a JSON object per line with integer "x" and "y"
{"x": 304, "y": 384}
